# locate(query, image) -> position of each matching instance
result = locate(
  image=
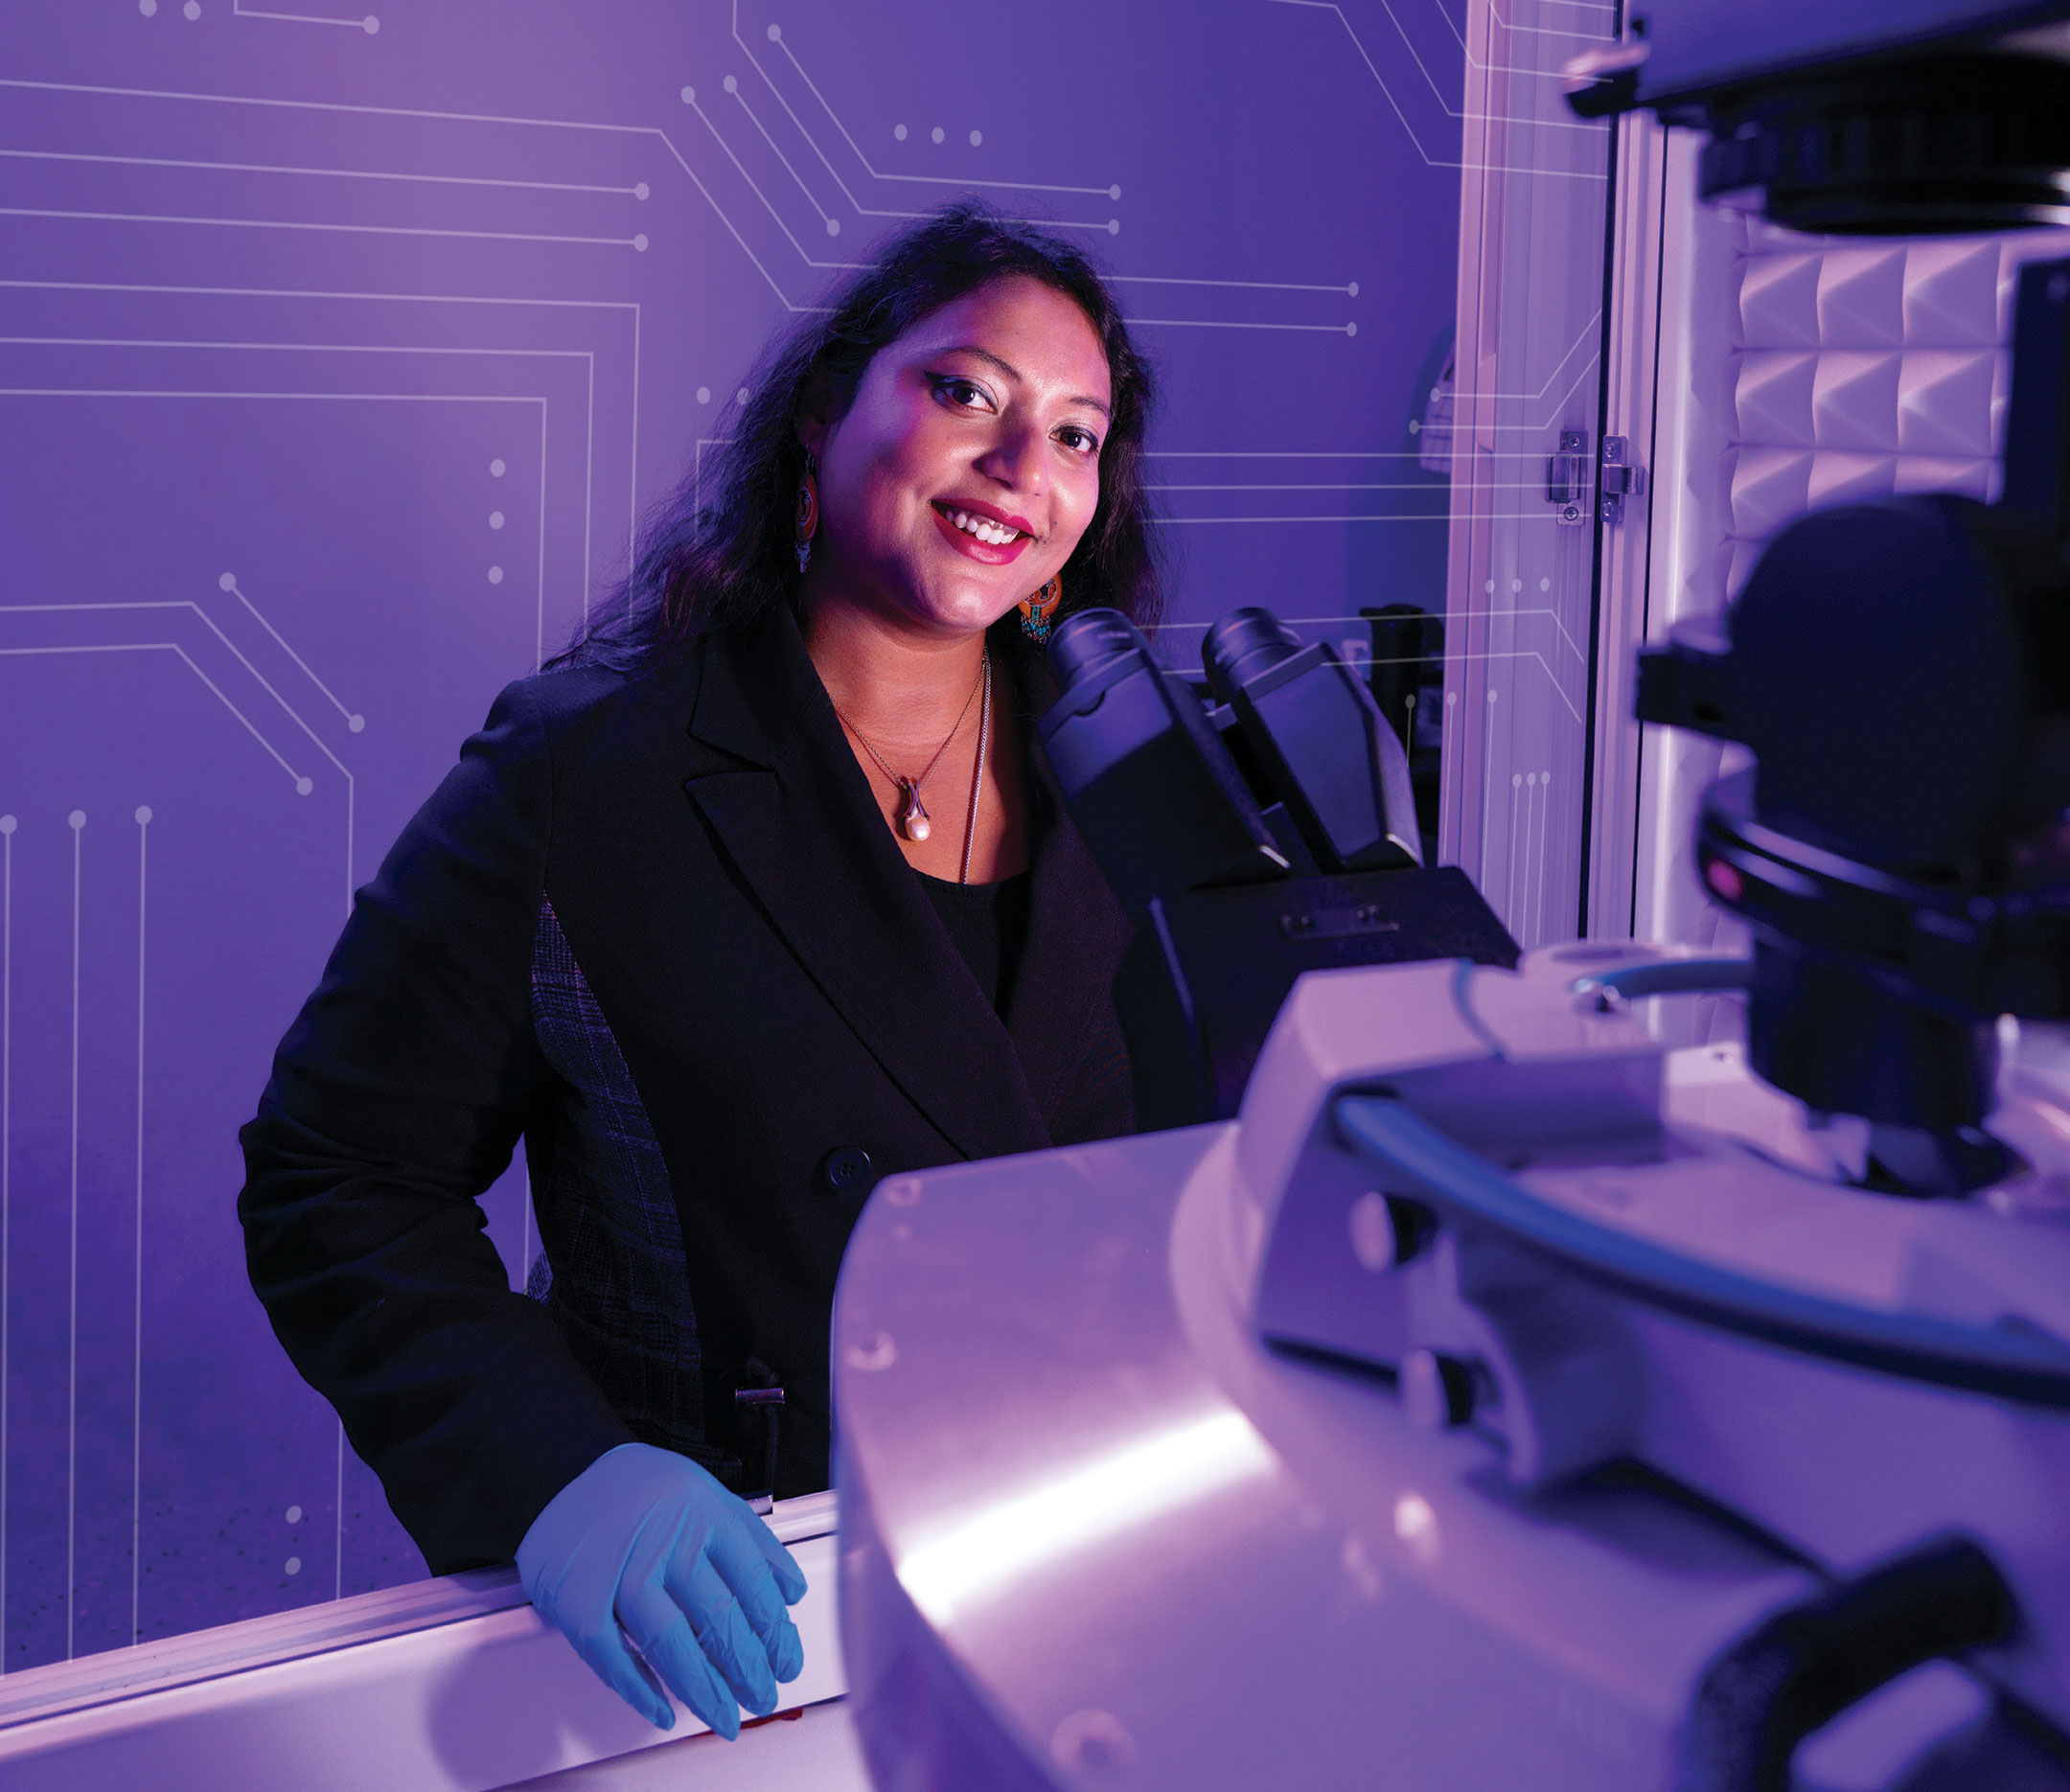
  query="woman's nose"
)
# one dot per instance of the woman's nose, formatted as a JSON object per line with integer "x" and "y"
{"x": 1015, "y": 460}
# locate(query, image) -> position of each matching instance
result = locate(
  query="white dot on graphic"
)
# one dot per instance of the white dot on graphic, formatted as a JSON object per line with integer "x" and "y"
{"x": 1113, "y": 193}
{"x": 495, "y": 575}
{"x": 640, "y": 242}
{"x": 373, "y": 24}
{"x": 1451, "y": 697}
{"x": 495, "y": 469}
{"x": 1492, "y": 694}
{"x": 833, "y": 227}
{"x": 294, "y": 1514}
{"x": 302, "y": 785}
{"x": 78, "y": 819}
{"x": 689, "y": 96}
{"x": 1489, "y": 588}
{"x": 1515, "y": 778}
{"x": 641, "y": 191}
{"x": 742, "y": 395}
{"x": 1516, "y": 584}
{"x": 227, "y": 583}
{"x": 1113, "y": 226}
{"x": 143, "y": 815}
{"x": 1352, "y": 290}
{"x": 899, "y": 131}
{"x": 939, "y": 133}
{"x": 1530, "y": 780}
{"x": 495, "y": 520}
{"x": 977, "y": 138}
{"x": 775, "y": 33}
{"x": 193, "y": 9}
{"x": 1350, "y": 330}
{"x": 356, "y": 722}
{"x": 1545, "y": 585}
{"x": 1415, "y": 427}
{"x": 147, "y": 7}
{"x": 294, "y": 1564}
{"x": 7, "y": 824}
{"x": 703, "y": 395}
{"x": 731, "y": 84}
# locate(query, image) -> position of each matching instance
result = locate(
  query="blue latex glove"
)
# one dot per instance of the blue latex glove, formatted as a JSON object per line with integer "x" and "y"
{"x": 644, "y": 1544}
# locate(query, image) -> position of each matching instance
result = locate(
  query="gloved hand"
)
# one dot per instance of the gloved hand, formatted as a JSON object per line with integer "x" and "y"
{"x": 645, "y": 1544}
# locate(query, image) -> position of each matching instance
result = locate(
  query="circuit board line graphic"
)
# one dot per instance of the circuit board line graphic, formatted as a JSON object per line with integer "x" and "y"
{"x": 585, "y": 355}
{"x": 352, "y": 718}
{"x": 1430, "y": 160}
{"x": 589, "y": 356}
{"x": 826, "y": 218}
{"x": 638, "y": 192}
{"x": 637, "y": 243}
{"x": 368, "y": 24}
{"x": 775, "y": 36}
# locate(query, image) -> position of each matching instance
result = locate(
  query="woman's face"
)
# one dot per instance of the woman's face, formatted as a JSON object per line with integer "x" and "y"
{"x": 968, "y": 465}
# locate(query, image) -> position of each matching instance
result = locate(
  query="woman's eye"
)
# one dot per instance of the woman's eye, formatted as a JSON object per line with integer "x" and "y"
{"x": 966, "y": 394}
{"x": 1082, "y": 440}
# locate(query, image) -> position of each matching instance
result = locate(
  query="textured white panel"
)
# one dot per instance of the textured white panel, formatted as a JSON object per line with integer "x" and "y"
{"x": 1779, "y": 300}
{"x": 1854, "y": 399}
{"x": 1770, "y": 485}
{"x": 1944, "y": 402}
{"x": 1745, "y": 556}
{"x": 1930, "y": 418}
{"x": 1951, "y": 294}
{"x": 1972, "y": 478}
{"x": 1861, "y": 297}
{"x": 1838, "y": 477}
{"x": 1773, "y": 390}
{"x": 1765, "y": 238}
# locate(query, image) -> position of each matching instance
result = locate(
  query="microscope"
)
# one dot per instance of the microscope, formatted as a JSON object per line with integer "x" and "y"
{"x": 1266, "y": 832}
{"x": 1499, "y": 1399}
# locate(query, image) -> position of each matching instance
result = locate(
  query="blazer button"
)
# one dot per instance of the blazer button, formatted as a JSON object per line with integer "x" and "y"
{"x": 846, "y": 1169}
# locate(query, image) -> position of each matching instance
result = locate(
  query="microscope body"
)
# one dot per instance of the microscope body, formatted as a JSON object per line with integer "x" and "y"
{"x": 1277, "y": 1460}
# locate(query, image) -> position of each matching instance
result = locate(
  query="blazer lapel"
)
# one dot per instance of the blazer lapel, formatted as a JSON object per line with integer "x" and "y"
{"x": 1077, "y": 933}
{"x": 796, "y": 816}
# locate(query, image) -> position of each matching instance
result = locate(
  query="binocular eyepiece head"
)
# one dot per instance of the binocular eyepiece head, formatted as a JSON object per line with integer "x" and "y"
{"x": 1243, "y": 644}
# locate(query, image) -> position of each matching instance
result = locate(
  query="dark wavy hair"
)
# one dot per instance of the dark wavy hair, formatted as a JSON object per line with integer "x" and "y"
{"x": 719, "y": 552}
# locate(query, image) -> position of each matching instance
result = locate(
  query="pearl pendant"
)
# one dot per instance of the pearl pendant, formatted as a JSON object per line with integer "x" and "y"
{"x": 913, "y": 814}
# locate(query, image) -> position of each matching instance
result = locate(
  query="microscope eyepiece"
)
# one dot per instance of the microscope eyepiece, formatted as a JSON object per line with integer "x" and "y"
{"x": 1087, "y": 641}
{"x": 1243, "y": 644}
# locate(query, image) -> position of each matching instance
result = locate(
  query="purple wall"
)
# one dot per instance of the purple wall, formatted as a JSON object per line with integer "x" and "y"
{"x": 335, "y": 362}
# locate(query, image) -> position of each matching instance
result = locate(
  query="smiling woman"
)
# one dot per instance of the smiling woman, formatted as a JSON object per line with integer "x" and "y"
{"x": 682, "y": 922}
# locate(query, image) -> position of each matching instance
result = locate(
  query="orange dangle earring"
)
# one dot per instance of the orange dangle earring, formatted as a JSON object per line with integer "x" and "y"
{"x": 1037, "y": 610}
{"x": 808, "y": 514}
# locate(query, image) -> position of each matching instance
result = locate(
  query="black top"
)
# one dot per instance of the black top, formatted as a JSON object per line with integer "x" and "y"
{"x": 654, "y": 923}
{"x": 988, "y": 924}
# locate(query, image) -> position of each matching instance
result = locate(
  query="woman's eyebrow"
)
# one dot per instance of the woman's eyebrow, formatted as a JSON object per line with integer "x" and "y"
{"x": 1012, "y": 372}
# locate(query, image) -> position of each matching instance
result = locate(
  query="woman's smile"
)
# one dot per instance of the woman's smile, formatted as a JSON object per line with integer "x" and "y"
{"x": 981, "y": 531}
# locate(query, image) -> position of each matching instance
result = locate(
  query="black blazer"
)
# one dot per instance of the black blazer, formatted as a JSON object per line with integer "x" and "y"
{"x": 655, "y": 924}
